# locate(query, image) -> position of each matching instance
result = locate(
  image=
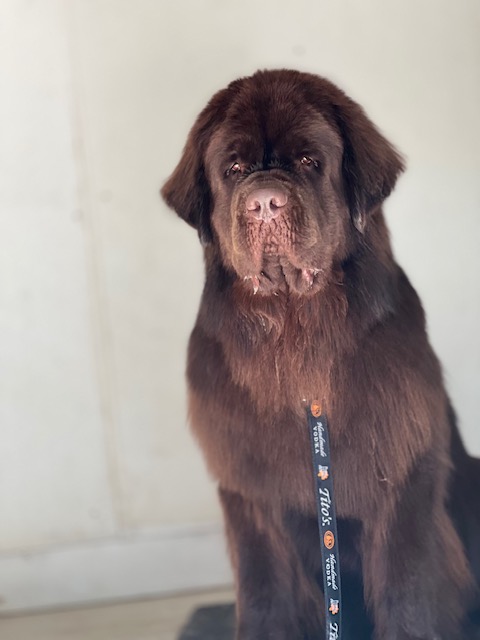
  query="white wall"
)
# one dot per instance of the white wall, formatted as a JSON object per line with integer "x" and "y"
{"x": 99, "y": 284}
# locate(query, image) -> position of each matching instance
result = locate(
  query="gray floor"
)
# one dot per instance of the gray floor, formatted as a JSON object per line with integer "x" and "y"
{"x": 146, "y": 620}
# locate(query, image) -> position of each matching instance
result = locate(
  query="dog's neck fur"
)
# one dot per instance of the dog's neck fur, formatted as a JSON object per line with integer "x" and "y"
{"x": 263, "y": 337}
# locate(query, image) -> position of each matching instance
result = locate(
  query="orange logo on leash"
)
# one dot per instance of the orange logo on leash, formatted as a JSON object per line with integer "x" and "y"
{"x": 334, "y": 607}
{"x": 323, "y": 473}
{"x": 316, "y": 409}
{"x": 329, "y": 539}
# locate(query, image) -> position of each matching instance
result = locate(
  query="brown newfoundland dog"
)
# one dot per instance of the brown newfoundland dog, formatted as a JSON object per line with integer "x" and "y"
{"x": 284, "y": 178}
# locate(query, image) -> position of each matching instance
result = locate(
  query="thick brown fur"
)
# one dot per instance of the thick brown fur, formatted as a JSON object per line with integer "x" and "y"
{"x": 312, "y": 305}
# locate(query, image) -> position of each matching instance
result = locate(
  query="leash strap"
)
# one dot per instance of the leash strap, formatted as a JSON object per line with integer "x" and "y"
{"x": 327, "y": 519}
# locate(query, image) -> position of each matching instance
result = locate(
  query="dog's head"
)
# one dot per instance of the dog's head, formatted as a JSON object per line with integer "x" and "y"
{"x": 281, "y": 172}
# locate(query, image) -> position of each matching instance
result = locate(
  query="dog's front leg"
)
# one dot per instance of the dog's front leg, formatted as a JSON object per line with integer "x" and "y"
{"x": 416, "y": 576}
{"x": 265, "y": 571}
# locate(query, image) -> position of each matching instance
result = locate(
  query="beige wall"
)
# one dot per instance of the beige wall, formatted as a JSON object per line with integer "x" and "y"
{"x": 99, "y": 283}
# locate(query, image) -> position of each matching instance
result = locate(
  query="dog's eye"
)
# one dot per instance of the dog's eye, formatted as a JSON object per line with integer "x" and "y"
{"x": 235, "y": 168}
{"x": 308, "y": 162}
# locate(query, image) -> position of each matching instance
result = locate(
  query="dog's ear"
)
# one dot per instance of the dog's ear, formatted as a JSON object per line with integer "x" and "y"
{"x": 371, "y": 165}
{"x": 187, "y": 190}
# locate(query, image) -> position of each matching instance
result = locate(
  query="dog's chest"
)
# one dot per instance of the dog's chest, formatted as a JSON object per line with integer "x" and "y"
{"x": 250, "y": 418}
{"x": 268, "y": 458}
{"x": 251, "y": 381}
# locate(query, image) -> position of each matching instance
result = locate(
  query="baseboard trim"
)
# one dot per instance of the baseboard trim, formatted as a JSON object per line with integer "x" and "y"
{"x": 139, "y": 565}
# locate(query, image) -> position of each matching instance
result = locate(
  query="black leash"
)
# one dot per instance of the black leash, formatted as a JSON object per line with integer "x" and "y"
{"x": 327, "y": 519}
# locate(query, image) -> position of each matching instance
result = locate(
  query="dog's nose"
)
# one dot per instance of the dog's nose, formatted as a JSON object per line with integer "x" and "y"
{"x": 266, "y": 204}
